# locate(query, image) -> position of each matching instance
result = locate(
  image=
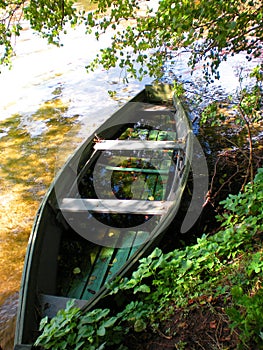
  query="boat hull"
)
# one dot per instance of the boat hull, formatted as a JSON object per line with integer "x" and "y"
{"x": 108, "y": 207}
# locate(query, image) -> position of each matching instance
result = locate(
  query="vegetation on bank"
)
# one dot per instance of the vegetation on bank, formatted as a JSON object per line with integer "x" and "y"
{"x": 225, "y": 268}
{"x": 228, "y": 264}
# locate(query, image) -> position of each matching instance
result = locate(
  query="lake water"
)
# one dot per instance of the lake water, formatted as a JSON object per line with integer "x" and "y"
{"x": 49, "y": 104}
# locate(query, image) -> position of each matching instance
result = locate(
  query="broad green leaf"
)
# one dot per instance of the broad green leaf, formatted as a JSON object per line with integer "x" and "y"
{"x": 142, "y": 288}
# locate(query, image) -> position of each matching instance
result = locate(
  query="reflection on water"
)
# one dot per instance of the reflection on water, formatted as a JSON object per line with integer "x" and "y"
{"x": 27, "y": 168}
{"x": 29, "y": 147}
{"x": 7, "y": 321}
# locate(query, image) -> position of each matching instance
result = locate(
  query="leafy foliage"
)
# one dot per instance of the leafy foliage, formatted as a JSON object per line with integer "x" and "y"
{"x": 210, "y": 30}
{"x": 46, "y": 17}
{"x": 247, "y": 315}
{"x": 243, "y": 112}
{"x": 247, "y": 107}
{"x": 50, "y": 17}
{"x": 72, "y": 330}
{"x": 228, "y": 263}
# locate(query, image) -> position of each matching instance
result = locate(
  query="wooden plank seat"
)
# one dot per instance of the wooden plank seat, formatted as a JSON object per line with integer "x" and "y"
{"x": 139, "y": 170}
{"x": 137, "y": 145}
{"x": 51, "y": 304}
{"x": 121, "y": 206}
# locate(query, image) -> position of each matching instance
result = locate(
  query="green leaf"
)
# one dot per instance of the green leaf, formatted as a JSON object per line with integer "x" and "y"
{"x": 101, "y": 331}
{"x": 236, "y": 291}
{"x": 110, "y": 322}
{"x": 156, "y": 253}
{"x": 187, "y": 264}
{"x": 142, "y": 288}
{"x": 139, "y": 325}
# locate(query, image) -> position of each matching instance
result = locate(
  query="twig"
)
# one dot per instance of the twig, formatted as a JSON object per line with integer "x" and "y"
{"x": 163, "y": 335}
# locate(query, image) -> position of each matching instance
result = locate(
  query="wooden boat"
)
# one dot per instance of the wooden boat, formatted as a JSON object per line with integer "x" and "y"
{"x": 106, "y": 209}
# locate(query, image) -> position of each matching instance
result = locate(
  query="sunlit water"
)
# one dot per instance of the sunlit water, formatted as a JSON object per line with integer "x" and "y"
{"x": 49, "y": 104}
